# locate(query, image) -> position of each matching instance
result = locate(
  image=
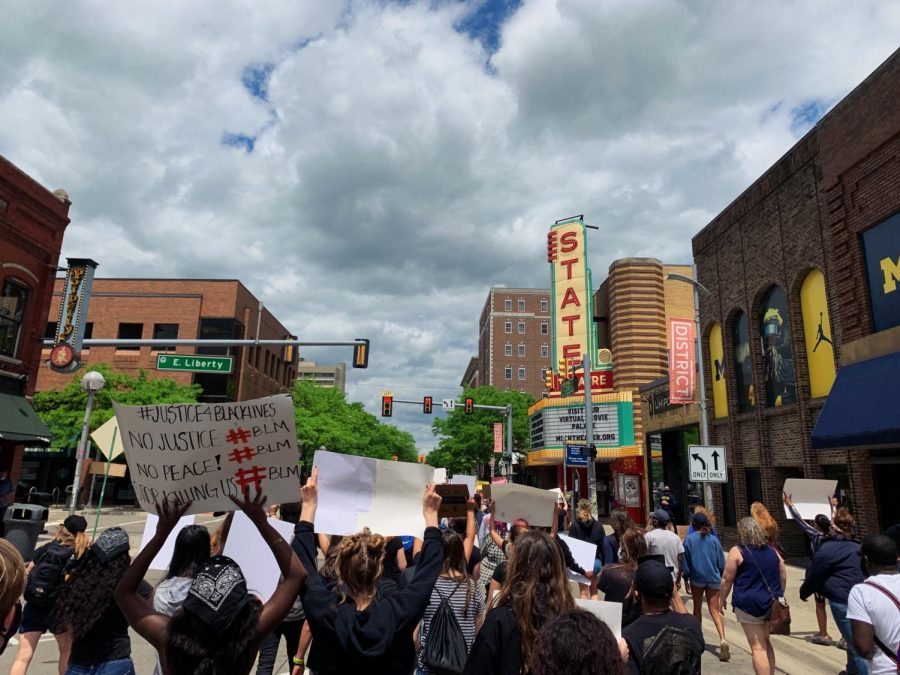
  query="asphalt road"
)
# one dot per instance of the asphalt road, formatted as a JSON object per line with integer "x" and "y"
{"x": 47, "y": 656}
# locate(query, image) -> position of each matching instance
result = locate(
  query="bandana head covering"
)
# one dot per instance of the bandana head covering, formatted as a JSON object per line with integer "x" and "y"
{"x": 110, "y": 544}
{"x": 217, "y": 593}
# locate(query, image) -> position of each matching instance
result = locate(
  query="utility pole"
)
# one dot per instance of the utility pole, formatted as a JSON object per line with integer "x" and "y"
{"x": 589, "y": 433}
{"x": 509, "y": 442}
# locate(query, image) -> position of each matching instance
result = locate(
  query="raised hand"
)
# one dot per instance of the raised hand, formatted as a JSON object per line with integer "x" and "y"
{"x": 431, "y": 502}
{"x": 309, "y": 493}
{"x": 253, "y": 508}
{"x": 470, "y": 504}
{"x": 169, "y": 515}
{"x": 788, "y": 499}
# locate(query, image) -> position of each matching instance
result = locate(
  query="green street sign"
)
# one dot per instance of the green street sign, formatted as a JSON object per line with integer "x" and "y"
{"x": 567, "y": 388}
{"x": 195, "y": 363}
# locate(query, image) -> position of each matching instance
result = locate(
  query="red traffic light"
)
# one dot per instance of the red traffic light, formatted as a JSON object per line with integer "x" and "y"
{"x": 470, "y": 406}
{"x": 426, "y": 405}
{"x": 421, "y": 459}
{"x": 387, "y": 406}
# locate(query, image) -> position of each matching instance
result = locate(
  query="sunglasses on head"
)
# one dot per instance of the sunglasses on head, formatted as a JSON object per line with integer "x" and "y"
{"x": 9, "y": 630}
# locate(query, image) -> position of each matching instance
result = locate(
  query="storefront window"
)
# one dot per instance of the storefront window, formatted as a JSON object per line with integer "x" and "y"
{"x": 817, "y": 334}
{"x": 743, "y": 368}
{"x": 775, "y": 337}
{"x": 12, "y": 312}
{"x": 717, "y": 371}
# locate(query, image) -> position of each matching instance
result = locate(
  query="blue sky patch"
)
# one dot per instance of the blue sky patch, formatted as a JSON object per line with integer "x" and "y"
{"x": 805, "y": 115}
{"x": 256, "y": 79}
{"x": 241, "y": 141}
{"x": 486, "y": 20}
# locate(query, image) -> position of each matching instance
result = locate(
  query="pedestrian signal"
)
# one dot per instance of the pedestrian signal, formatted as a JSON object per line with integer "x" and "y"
{"x": 470, "y": 406}
{"x": 387, "y": 406}
{"x": 426, "y": 405}
{"x": 361, "y": 355}
{"x": 548, "y": 379}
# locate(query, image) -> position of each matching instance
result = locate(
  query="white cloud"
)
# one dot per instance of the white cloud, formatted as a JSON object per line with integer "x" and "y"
{"x": 398, "y": 168}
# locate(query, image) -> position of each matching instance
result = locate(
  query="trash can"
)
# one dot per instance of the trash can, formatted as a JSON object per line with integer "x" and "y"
{"x": 23, "y": 523}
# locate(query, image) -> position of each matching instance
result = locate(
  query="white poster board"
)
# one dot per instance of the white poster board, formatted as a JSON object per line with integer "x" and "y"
{"x": 248, "y": 549}
{"x": 205, "y": 452}
{"x": 609, "y": 613}
{"x": 584, "y": 553}
{"x": 811, "y": 496}
{"x": 357, "y": 492}
{"x": 109, "y": 439}
{"x": 164, "y": 557}
{"x": 464, "y": 480}
{"x": 440, "y": 476}
{"x": 520, "y": 501}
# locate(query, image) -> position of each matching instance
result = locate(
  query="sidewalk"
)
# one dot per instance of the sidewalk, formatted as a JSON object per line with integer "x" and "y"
{"x": 793, "y": 654}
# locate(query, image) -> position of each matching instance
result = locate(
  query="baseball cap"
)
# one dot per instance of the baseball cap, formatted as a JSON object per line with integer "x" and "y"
{"x": 699, "y": 519}
{"x": 661, "y": 515}
{"x": 75, "y": 524}
{"x": 654, "y": 580}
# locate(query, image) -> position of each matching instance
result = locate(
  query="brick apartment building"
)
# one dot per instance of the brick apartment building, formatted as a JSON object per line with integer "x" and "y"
{"x": 513, "y": 341}
{"x": 168, "y": 309}
{"x": 32, "y": 224}
{"x": 802, "y": 328}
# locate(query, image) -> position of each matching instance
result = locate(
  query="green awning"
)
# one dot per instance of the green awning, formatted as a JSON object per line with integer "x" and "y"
{"x": 19, "y": 423}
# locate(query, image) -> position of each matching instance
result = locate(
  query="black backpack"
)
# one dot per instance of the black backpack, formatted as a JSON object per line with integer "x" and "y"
{"x": 46, "y": 577}
{"x": 445, "y": 646}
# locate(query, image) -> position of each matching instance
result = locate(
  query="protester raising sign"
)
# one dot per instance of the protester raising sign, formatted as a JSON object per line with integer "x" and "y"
{"x": 207, "y": 452}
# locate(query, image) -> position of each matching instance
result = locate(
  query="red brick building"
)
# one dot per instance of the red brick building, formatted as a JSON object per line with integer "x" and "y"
{"x": 32, "y": 223}
{"x": 802, "y": 328}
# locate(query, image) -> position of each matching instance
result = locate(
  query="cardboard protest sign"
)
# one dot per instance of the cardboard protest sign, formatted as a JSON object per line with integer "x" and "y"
{"x": 162, "y": 559}
{"x": 609, "y": 613}
{"x": 520, "y": 501}
{"x": 206, "y": 452}
{"x": 460, "y": 479}
{"x": 357, "y": 492}
{"x": 811, "y": 497}
{"x": 248, "y": 549}
{"x": 584, "y": 553}
{"x": 453, "y": 500}
{"x": 109, "y": 439}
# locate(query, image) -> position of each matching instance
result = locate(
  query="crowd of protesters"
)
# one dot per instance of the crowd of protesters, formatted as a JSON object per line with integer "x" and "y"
{"x": 473, "y": 595}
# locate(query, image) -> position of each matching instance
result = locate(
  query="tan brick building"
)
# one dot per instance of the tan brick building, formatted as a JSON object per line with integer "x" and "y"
{"x": 334, "y": 376}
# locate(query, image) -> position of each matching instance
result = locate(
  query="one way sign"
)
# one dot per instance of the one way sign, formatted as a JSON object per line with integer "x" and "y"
{"x": 707, "y": 464}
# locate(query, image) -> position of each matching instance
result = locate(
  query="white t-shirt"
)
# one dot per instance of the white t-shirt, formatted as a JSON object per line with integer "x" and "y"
{"x": 667, "y": 544}
{"x": 873, "y": 607}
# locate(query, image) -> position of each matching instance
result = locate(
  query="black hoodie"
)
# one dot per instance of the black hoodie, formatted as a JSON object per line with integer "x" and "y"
{"x": 377, "y": 639}
{"x": 591, "y": 531}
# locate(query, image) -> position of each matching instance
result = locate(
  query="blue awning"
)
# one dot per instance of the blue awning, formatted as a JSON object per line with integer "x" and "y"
{"x": 863, "y": 407}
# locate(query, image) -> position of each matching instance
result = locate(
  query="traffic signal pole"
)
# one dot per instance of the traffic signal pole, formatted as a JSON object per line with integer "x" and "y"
{"x": 589, "y": 434}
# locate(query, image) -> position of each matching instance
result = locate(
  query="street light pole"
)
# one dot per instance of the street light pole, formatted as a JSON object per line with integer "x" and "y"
{"x": 589, "y": 432}
{"x": 92, "y": 382}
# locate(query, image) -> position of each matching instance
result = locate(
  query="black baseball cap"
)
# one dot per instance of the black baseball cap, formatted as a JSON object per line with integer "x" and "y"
{"x": 661, "y": 515}
{"x": 75, "y": 524}
{"x": 699, "y": 520}
{"x": 654, "y": 580}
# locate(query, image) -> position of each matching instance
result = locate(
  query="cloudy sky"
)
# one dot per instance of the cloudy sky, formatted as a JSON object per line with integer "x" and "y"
{"x": 370, "y": 168}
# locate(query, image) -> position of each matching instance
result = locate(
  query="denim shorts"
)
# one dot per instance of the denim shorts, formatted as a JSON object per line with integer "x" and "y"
{"x": 117, "y": 667}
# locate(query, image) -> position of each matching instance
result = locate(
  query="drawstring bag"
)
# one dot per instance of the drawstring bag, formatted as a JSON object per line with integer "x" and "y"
{"x": 445, "y": 645}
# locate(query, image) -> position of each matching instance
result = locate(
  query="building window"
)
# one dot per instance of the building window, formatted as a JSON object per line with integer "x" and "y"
{"x": 508, "y": 349}
{"x": 778, "y": 358}
{"x": 753, "y": 481}
{"x": 88, "y": 331}
{"x": 12, "y": 312}
{"x": 717, "y": 371}
{"x": 521, "y": 305}
{"x": 521, "y": 372}
{"x": 545, "y": 352}
{"x": 521, "y": 349}
{"x": 545, "y": 306}
{"x": 817, "y": 334}
{"x": 545, "y": 329}
{"x": 507, "y": 373}
{"x": 743, "y": 367}
{"x": 130, "y": 331}
{"x": 507, "y": 327}
{"x": 521, "y": 328}
{"x": 50, "y": 332}
{"x": 729, "y": 512}
{"x": 165, "y": 331}
{"x": 507, "y": 304}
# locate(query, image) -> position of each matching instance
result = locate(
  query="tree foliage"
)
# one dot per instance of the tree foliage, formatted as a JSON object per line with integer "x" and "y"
{"x": 468, "y": 440}
{"x": 325, "y": 418}
{"x": 63, "y": 410}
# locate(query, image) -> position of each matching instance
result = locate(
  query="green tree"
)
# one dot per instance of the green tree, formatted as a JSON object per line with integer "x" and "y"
{"x": 325, "y": 418}
{"x": 63, "y": 410}
{"x": 468, "y": 440}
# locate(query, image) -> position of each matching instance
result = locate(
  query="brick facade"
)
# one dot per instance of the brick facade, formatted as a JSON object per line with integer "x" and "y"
{"x": 806, "y": 212}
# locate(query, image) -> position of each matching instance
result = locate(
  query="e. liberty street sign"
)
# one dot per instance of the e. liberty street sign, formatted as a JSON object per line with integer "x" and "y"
{"x": 707, "y": 464}
{"x": 195, "y": 363}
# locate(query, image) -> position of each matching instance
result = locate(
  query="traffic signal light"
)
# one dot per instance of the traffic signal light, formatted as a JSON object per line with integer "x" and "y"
{"x": 551, "y": 246}
{"x": 421, "y": 459}
{"x": 470, "y": 406}
{"x": 395, "y": 458}
{"x": 548, "y": 379}
{"x": 426, "y": 405}
{"x": 361, "y": 353}
{"x": 563, "y": 369}
{"x": 387, "y": 406}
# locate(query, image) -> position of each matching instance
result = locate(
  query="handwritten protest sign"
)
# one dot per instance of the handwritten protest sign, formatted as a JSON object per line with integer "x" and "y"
{"x": 520, "y": 501}
{"x": 811, "y": 496}
{"x": 357, "y": 492}
{"x": 453, "y": 500}
{"x": 205, "y": 452}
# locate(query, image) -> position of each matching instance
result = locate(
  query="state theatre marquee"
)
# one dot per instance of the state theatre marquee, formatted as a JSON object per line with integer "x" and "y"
{"x": 554, "y": 421}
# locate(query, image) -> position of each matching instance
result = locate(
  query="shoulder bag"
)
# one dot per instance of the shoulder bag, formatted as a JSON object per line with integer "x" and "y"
{"x": 780, "y": 614}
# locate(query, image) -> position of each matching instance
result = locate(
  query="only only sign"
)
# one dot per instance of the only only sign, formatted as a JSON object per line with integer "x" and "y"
{"x": 707, "y": 464}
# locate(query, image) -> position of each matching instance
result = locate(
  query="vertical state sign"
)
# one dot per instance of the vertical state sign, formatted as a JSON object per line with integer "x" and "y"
{"x": 207, "y": 452}
{"x": 498, "y": 437}
{"x": 573, "y": 332}
{"x": 682, "y": 361}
